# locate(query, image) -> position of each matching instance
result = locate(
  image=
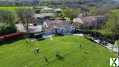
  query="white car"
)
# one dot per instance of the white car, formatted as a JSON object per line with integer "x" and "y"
{"x": 35, "y": 29}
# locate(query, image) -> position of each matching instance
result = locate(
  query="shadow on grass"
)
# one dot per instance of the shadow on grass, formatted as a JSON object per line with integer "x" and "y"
{"x": 17, "y": 39}
{"x": 9, "y": 41}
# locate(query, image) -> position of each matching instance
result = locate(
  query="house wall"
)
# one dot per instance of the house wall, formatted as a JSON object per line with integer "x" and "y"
{"x": 20, "y": 27}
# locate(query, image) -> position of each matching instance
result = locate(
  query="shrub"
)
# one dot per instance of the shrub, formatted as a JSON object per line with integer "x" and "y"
{"x": 7, "y": 22}
{"x": 70, "y": 13}
{"x": 6, "y": 28}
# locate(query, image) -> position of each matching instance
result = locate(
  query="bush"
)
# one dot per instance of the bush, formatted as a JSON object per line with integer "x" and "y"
{"x": 6, "y": 28}
{"x": 70, "y": 13}
{"x": 7, "y": 22}
{"x": 111, "y": 25}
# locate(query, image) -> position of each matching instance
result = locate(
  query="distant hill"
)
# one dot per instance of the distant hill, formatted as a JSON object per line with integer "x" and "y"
{"x": 101, "y": 5}
{"x": 86, "y": 2}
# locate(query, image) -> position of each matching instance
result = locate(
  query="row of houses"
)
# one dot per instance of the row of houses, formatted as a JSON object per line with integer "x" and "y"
{"x": 57, "y": 25}
{"x": 48, "y": 27}
{"x": 44, "y": 11}
{"x": 88, "y": 22}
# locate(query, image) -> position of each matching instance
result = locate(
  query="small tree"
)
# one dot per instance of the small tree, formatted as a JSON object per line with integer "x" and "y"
{"x": 25, "y": 15}
{"x": 70, "y": 13}
{"x": 7, "y": 22}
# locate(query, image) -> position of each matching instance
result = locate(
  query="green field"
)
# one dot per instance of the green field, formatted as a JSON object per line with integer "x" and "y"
{"x": 8, "y": 8}
{"x": 11, "y": 8}
{"x": 77, "y": 52}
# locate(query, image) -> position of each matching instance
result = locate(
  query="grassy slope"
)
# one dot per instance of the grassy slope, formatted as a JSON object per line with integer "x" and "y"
{"x": 110, "y": 23}
{"x": 19, "y": 54}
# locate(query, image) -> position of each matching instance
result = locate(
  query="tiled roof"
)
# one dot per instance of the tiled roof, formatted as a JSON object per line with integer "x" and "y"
{"x": 51, "y": 24}
{"x": 90, "y": 21}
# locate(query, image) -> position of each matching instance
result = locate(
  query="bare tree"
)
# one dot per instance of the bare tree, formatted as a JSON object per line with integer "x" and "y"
{"x": 25, "y": 15}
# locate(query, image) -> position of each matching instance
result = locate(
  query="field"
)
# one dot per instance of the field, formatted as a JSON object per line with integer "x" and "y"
{"x": 8, "y": 8}
{"x": 76, "y": 52}
{"x": 12, "y": 8}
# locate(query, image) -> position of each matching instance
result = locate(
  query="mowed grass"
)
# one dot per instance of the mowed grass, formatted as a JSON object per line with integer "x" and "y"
{"x": 77, "y": 52}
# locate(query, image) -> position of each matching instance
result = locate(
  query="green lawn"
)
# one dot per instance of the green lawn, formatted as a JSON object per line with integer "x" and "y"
{"x": 77, "y": 52}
